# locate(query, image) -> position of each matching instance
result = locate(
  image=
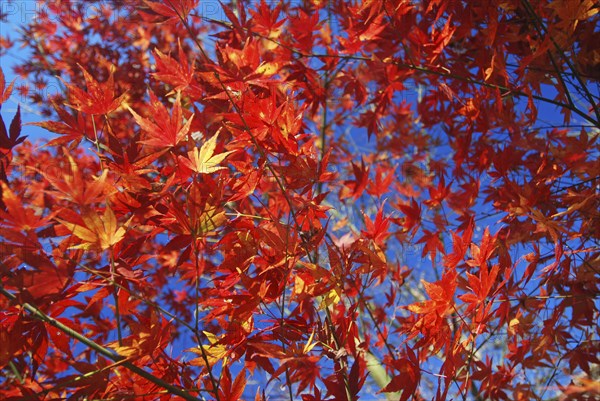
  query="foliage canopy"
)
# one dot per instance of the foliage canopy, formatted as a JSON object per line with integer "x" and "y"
{"x": 316, "y": 200}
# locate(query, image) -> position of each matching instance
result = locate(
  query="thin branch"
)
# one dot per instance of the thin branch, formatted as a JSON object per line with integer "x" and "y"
{"x": 112, "y": 355}
{"x": 115, "y": 294}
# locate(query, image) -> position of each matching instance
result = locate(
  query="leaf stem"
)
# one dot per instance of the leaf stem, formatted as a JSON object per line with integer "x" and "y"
{"x": 116, "y": 297}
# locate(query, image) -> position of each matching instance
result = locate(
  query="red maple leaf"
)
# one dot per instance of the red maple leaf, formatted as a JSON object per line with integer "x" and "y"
{"x": 166, "y": 130}
{"x": 99, "y": 98}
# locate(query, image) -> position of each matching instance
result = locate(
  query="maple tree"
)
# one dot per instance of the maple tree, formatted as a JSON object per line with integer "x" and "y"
{"x": 316, "y": 200}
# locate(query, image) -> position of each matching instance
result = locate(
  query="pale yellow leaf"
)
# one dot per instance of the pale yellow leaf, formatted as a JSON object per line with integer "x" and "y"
{"x": 204, "y": 161}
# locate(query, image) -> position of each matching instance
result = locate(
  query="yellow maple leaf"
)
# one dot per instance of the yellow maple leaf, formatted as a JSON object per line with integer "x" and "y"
{"x": 268, "y": 68}
{"x": 98, "y": 231}
{"x": 331, "y": 298}
{"x": 203, "y": 160}
{"x": 213, "y": 352}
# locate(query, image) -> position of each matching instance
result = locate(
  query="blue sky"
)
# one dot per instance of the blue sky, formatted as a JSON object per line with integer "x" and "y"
{"x": 18, "y": 13}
